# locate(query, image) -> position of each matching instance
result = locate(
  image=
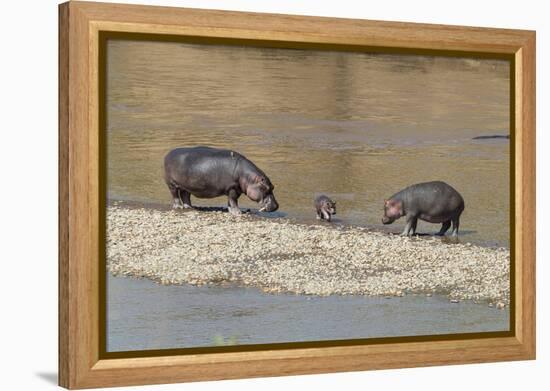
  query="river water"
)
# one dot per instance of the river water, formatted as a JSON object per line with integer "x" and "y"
{"x": 357, "y": 127}
{"x": 143, "y": 315}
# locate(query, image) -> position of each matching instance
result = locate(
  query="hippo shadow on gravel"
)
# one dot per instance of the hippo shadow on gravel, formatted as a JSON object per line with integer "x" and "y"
{"x": 225, "y": 209}
{"x": 444, "y": 238}
{"x": 334, "y": 221}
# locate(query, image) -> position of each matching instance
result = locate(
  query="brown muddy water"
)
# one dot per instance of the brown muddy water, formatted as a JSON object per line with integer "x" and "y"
{"x": 357, "y": 127}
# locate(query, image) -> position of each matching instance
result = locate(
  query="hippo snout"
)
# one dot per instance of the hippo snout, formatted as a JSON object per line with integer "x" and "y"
{"x": 272, "y": 208}
{"x": 270, "y": 204}
{"x": 386, "y": 220}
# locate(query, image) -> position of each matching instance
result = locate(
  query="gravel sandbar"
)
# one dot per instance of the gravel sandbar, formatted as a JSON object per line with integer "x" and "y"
{"x": 280, "y": 255}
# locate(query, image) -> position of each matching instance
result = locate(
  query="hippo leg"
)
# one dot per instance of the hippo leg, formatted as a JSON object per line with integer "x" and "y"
{"x": 411, "y": 222}
{"x": 232, "y": 198}
{"x": 413, "y": 226}
{"x": 444, "y": 227}
{"x": 177, "y": 204}
{"x": 326, "y": 215}
{"x": 456, "y": 223}
{"x": 185, "y": 198}
{"x": 319, "y": 216}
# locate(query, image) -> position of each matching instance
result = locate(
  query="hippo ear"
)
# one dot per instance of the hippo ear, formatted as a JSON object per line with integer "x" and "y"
{"x": 386, "y": 202}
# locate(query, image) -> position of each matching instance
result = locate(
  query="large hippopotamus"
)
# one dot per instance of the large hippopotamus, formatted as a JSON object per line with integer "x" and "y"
{"x": 209, "y": 172}
{"x": 434, "y": 202}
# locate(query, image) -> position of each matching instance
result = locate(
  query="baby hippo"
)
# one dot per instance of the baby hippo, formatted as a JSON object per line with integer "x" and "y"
{"x": 434, "y": 202}
{"x": 325, "y": 207}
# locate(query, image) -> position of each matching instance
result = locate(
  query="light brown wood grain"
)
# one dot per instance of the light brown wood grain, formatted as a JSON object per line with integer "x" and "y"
{"x": 525, "y": 195}
{"x": 80, "y": 365}
{"x": 63, "y": 221}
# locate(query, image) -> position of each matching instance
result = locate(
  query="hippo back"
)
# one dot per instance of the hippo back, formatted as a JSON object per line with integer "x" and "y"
{"x": 204, "y": 171}
{"x": 435, "y": 197}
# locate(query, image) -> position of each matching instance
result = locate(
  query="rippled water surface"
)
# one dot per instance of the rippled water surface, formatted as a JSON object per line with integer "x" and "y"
{"x": 145, "y": 315}
{"x": 357, "y": 127}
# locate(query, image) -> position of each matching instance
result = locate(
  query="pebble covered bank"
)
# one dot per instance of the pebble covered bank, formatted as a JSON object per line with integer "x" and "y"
{"x": 281, "y": 255}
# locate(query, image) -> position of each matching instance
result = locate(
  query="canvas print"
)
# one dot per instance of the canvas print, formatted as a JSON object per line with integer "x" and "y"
{"x": 262, "y": 195}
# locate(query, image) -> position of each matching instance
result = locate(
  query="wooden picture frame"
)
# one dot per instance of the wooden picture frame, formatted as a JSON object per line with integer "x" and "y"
{"x": 81, "y": 25}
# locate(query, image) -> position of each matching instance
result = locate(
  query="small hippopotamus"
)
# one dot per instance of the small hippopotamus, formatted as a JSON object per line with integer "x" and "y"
{"x": 434, "y": 202}
{"x": 209, "y": 172}
{"x": 325, "y": 207}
